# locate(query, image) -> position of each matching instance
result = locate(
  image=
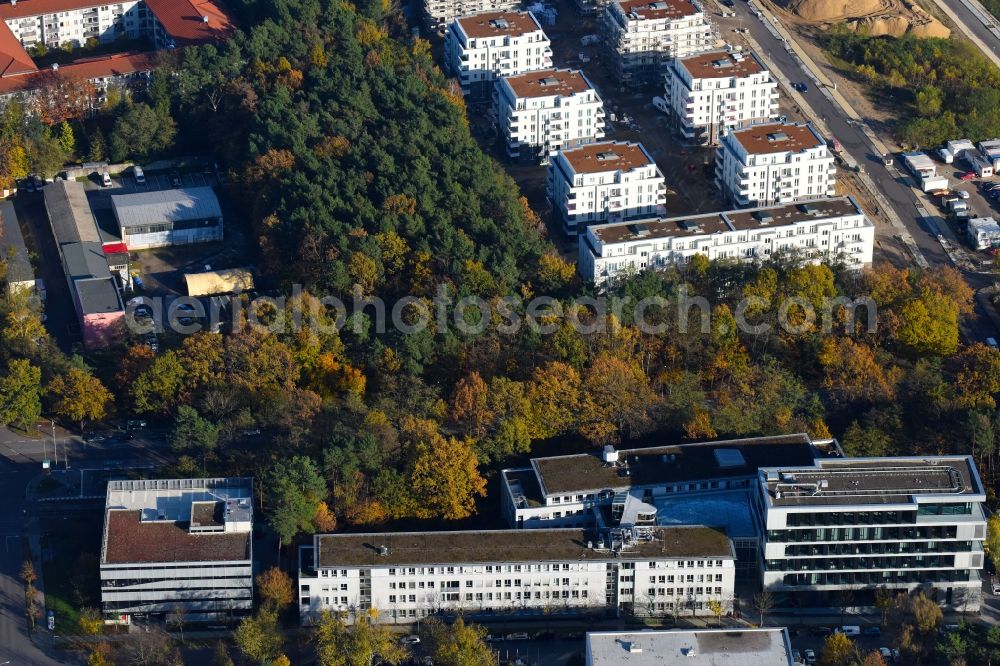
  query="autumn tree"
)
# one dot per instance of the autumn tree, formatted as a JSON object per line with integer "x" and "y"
{"x": 90, "y": 621}
{"x": 259, "y": 637}
{"x": 926, "y": 612}
{"x": 617, "y": 398}
{"x": 444, "y": 478}
{"x": 275, "y": 588}
{"x": 459, "y": 644}
{"x": 357, "y": 645}
{"x": 852, "y": 372}
{"x": 79, "y": 396}
{"x": 469, "y": 407}
{"x": 838, "y": 650}
{"x": 554, "y": 394}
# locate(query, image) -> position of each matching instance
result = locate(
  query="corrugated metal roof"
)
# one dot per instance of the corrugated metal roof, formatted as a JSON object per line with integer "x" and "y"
{"x": 219, "y": 282}
{"x": 156, "y": 207}
{"x": 12, "y": 245}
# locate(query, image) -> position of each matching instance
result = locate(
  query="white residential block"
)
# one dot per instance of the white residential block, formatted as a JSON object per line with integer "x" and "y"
{"x": 439, "y": 13}
{"x": 480, "y": 48}
{"x": 718, "y": 90}
{"x": 774, "y": 163}
{"x": 545, "y": 111}
{"x": 605, "y": 182}
{"x": 58, "y": 25}
{"x": 402, "y": 577}
{"x": 831, "y": 230}
{"x": 643, "y": 36}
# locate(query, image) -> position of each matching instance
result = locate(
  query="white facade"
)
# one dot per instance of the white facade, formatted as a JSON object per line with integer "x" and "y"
{"x": 422, "y": 574}
{"x": 605, "y": 182}
{"x": 984, "y": 233}
{"x": 830, "y": 230}
{"x": 172, "y": 543}
{"x": 104, "y": 22}
{"x": 774, "y": 163}
{"x": 864, "y": 523}
{"x": 481, "y": 48}
{"x": 643, "y": 36}
{"x": 543, "y": 112}
{"x": 713, "y": 91}
{"x": 730, "y": 646}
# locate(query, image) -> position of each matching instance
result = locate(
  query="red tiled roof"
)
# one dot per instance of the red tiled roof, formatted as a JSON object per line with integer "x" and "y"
{"x": 88, "y": 68}
{"x": 130, "y": 540}
{"x": 185, "y": 20}
{"x": 14, "y": 60}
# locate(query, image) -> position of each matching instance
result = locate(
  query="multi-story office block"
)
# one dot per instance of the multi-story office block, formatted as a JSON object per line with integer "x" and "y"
{"x": 605, "y": 182}
{"x": 833, "y": 230}
{"x": 643, "y": 36}
{"x": 774, "y": 163}
{"x": 717, "y": 90}
{"x": 545, "y": 111}
{"x": 767, "y": 646}
{"x": 178, "y": 544}
{"x": 439, "y": 13}
{"x": 481, "y": 48}
{"x": 859, "y": 524}
{"x": 402, "y": 577}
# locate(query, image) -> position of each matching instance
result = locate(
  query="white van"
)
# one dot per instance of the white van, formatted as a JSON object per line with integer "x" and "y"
{"x": 140, "y": 177}
{"x": 660, "y": 104}
{"x": 849, "y": 630}
{"x": 106, "y": 179}
{"x": 946, "y": 155}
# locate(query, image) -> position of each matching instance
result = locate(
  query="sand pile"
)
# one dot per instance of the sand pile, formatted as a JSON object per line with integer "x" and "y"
{"x": 877, "y": 17}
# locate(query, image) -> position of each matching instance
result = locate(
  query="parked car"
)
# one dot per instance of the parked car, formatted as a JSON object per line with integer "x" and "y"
{"x": 518, "y": 636}
{"x": 810, "y": 656}
{"x": 872, "y": 630}
{"x": 412, "y": 639}
{"x": 821, "y": 631}
{"x": 140, "y": 177}
{"x": 968, "y": 175}
{"x": 886, "y": 654}
{"x": 962, "y": 194}
{"x": 801, "y": 87}
{"x": 106, "y": 179}
{"x": 996, "y": 584}
{"x": 175, "y": 179}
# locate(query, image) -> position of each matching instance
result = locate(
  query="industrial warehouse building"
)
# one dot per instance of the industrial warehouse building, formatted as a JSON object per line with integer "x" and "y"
{"x": 168, "y": 217}
{"x": 768, "y": 646}
{"x": 94, "y": 291}
{"x": 177, "y": 544}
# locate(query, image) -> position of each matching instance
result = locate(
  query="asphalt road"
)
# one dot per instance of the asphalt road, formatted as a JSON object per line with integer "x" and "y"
{"x": 974, "y": 24}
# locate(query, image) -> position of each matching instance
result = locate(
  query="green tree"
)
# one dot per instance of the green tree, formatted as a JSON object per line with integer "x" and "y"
{"x": 157, "y": 389}
{"x": 361, "y": 644}
{"x": 194, "y": 432}
{"x": 20, "y": 394}
{"x": 96, "y": 148}
{"x": 140, "y": 132}
{"x": 258, "y": 636}
{"x": 293, "y": 491}
{"x": 67, "y": 141}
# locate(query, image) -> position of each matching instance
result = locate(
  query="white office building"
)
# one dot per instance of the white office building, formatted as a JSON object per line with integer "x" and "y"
{"x": 774, "y": 163}
{"x": 763, "y": 646}
{"x": 821, "y": 230}
{"x": 718, "y": 90}
{"x": 408, "y": 576}
{"x": 545, "y": 111}
{"x": 859, "y": 524}
{"x": 177, "y": 543}
{"x": 643, "y": 36}
{"x": 605, "y": 182}
{"x": 481, "y": 48}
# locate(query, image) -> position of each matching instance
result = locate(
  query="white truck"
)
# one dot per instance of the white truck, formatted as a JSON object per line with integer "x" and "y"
{"x": 932, "y": 183}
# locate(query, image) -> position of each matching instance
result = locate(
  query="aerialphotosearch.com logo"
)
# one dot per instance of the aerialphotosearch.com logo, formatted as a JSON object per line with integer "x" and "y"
{"x": 473, "y": 315}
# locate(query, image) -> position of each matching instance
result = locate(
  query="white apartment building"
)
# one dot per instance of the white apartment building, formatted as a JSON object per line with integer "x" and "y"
{"x": 407, "y": 576}
{"x": 859, "y": 524}
{"x": 549, "y": 110}
{"x": 605, "y": 182}
{"x": 821, "y": 230}
{"x": 439, "y": 13}
{"x": 643, "y": 36}
{"x": 774, "y": 163}
{"x": 717, "y": 90}
{"x": 481, "y": 48}
{"x": 54, "y": 24}
{"x": 172, "y": 543}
